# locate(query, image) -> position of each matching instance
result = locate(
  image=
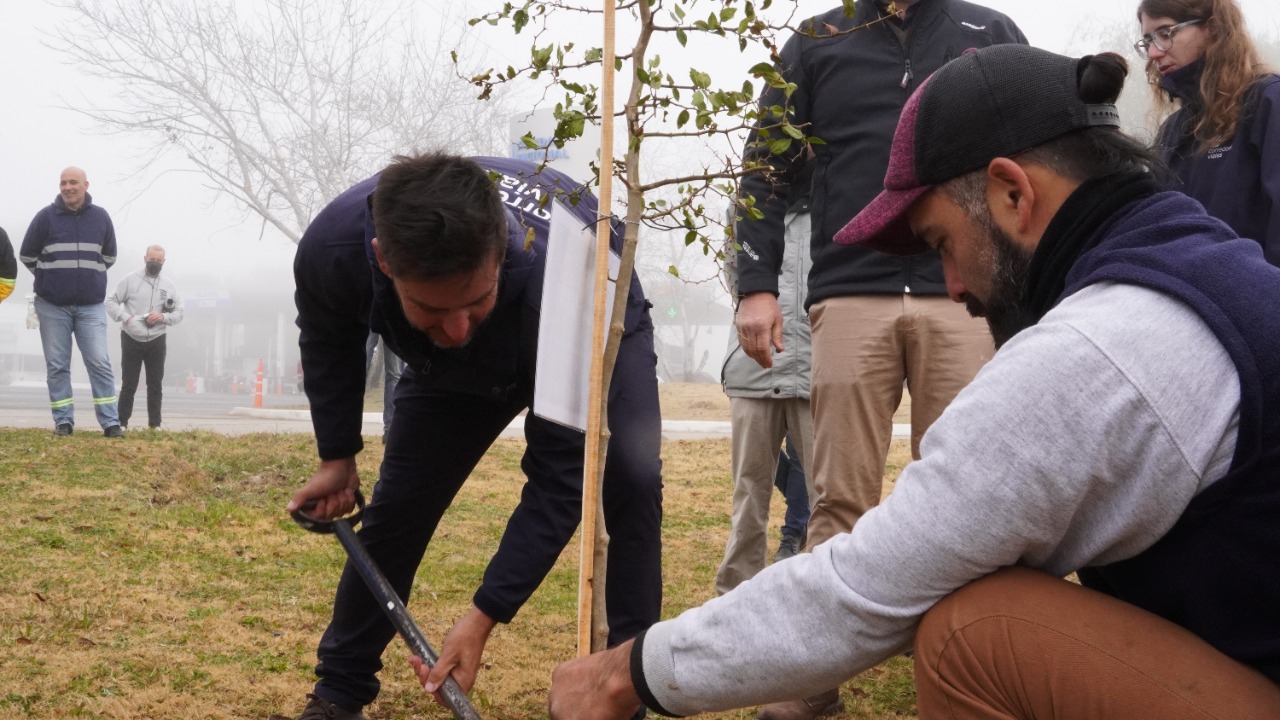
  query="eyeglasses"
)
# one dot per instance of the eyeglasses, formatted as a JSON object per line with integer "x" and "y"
{"x": 1161, "y": 39}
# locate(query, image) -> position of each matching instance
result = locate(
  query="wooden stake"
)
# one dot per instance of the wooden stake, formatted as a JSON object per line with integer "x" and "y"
{"x": 594, "y": 537}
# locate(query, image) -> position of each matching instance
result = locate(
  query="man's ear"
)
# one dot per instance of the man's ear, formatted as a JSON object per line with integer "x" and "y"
{"x": 382, "y": 262}
{"x": 1011, "y": 196}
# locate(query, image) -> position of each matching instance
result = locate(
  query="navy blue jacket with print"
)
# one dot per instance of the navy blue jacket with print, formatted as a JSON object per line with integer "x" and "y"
{"x": 69, "y": 251}
{"x": 342, "y": 295}
{"x": 1239, "y": 182}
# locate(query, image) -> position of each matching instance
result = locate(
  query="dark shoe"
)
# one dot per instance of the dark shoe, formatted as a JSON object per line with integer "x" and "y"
{"x": 115, "y": 431}
{"x": 820, "y": 705}
{"x": 63, "y": 429}
{"x": 788, "y": 548}
{"x": 320, "y": 709}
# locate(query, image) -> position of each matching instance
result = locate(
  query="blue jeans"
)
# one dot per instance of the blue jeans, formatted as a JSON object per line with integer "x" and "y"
{"x": 88, "y": 324}
{"x": 790, "y": 480}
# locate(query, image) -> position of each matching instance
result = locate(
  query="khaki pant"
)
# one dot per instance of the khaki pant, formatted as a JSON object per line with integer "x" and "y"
{"x": 1022, "y": 644}
{"x": 759, "y": 427}
{"x": 864, "y": 347}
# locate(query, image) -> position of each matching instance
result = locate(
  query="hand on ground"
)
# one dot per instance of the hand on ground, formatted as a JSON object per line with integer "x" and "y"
{"x": 595, "y": 687}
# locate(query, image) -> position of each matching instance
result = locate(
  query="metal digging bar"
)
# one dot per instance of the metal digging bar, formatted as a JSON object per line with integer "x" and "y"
{"x": 454, "y": 698}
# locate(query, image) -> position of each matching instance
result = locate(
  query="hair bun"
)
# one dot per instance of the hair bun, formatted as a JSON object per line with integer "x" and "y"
{"x": 1101, "y": 77}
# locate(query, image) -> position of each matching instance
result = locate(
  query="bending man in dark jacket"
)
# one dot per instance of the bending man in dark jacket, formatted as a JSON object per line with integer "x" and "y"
{"x": 449, "y": 283}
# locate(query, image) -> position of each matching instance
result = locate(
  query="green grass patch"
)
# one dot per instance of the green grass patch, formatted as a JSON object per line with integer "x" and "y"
{"x": 158, "y": 576}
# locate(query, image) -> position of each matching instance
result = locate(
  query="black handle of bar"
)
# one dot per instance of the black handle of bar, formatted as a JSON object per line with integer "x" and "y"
{"x": 451, "y": 692}
{"x": 318, "y": 525}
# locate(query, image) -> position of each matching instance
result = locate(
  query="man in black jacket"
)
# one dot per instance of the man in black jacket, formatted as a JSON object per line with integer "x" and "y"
{"x": 432, "y": 256}
{"x": 877, "y": 320}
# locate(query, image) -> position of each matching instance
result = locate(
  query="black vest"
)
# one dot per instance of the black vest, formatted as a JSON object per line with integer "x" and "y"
{"x": 1217, "y": 571}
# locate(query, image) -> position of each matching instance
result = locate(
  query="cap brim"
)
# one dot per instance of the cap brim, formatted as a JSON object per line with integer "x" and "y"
{"x": 882, "y": 224}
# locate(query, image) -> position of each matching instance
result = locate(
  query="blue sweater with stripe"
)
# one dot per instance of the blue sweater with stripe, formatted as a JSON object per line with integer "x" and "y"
{"x": 69, "y": 251}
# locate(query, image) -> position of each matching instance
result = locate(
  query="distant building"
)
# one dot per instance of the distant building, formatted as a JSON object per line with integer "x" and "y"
{"x": 218, "y": 345}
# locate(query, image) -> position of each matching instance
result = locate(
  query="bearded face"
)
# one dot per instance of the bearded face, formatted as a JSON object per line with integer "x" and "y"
{"x": 1004, "y": 306}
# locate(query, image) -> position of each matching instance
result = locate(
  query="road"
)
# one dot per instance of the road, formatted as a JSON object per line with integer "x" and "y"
{"x": 27, "y": 405}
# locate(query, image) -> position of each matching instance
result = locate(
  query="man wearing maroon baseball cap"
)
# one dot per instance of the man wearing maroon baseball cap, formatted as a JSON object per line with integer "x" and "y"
{"x": 1128, "y": 430}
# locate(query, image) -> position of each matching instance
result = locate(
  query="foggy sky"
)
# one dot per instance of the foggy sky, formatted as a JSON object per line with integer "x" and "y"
{"x": 207, "y": 236}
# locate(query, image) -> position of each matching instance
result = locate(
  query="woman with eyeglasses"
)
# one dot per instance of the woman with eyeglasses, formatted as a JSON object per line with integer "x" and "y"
{"x": 1222, "y": 138}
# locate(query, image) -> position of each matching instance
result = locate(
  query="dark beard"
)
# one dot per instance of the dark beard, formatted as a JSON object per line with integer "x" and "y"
{"x": 1005, "y": 310}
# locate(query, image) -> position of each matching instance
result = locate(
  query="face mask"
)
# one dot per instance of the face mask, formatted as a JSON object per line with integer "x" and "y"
{"x": 153, "y": 268}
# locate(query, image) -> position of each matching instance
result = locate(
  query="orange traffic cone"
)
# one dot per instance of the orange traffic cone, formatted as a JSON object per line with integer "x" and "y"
{"x": 257, "y": 387}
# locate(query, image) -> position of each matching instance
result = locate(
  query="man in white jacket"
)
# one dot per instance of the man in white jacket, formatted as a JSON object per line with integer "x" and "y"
{"x": 145, "y": 305}
{"x": 1128, "y": 430}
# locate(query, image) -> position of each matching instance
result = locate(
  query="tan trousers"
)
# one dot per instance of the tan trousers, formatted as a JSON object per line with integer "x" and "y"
{"x": 864, "y": 347}
{"x": 758, "y": 428}
{"x": 1022, "y": 644}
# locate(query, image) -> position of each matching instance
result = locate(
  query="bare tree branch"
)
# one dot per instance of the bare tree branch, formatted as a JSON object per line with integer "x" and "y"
{"x": 280, "y": 104}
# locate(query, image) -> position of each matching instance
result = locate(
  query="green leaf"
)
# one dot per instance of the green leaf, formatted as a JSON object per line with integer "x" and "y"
{"x": 683, "y": 118}
{"x": 682, "y": 37}
{"x": 675, "y": 272}
{"x": 778, "y": 147}
{"x": 542, "y": 56}
{"x": 793, "y": 131}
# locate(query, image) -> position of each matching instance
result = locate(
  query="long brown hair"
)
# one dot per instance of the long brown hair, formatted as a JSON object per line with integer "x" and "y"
{"x": 1231, "y": 65}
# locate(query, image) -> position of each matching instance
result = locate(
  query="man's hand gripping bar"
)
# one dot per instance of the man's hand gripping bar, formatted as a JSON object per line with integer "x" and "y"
{"x": 454, "y": 698}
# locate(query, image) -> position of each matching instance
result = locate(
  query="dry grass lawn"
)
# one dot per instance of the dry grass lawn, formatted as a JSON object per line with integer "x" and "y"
{"x": 158, "y": 577}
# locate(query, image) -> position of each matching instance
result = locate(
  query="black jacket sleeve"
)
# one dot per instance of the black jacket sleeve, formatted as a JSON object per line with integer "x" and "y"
{"x": 33, "y": 242}
{"x": 334, "y": 293}
{"x": 761, "y": 241}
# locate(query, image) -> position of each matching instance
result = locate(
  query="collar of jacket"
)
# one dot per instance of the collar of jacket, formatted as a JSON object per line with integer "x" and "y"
{"x": 61, "y": 205}
{"x": 1184, "y": 83}
{"x": 916, "y": 10}
{"x": 518, "y": 265}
